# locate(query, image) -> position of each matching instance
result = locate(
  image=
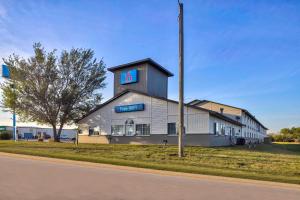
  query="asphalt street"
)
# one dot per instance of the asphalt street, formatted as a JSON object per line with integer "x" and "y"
{"x": 23, "y": 179}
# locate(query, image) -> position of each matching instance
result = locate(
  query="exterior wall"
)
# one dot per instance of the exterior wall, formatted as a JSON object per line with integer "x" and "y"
{"x": 150, "y": 81}
{"x": 189, "y": 140}
{"x": 228, "y": 125}
{"x": 93, "y": 139}
{"x": 252, "y": 130}
{"x": 159, "y": 116}
{"x": 158, "y": 113}
{"x": 228, "y": 111}
{"x": 106, "y": 116}
{"x": 157, "y": 82}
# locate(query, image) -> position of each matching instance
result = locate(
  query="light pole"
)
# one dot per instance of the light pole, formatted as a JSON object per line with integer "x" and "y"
{"x": 6, "y": 75}
{"x": 15, "y": 125}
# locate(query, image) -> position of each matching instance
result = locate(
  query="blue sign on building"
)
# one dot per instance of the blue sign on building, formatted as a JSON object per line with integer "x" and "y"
{"x": 130, "y": 76}
{"x": 5, "y": 71}
{"x": 130, "y": 108}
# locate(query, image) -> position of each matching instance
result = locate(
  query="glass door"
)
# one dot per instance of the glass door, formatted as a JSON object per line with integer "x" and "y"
{"x": 129, "y": 129}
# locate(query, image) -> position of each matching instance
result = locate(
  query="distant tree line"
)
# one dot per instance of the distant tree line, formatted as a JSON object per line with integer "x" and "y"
{"x": 287, "y": 135}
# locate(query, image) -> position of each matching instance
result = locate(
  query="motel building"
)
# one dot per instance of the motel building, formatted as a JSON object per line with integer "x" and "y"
{"x": 141, "y": 113}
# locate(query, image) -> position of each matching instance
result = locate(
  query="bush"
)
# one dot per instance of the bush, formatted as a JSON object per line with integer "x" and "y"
{"x": 240, "y": 141}
{"x": 5, "y": 135}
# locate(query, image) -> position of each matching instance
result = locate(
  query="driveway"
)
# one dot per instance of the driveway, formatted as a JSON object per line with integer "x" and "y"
{"x": 23, "y": 178}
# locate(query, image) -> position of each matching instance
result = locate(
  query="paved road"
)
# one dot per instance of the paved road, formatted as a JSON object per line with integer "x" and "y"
{"x": 23, "y": 179}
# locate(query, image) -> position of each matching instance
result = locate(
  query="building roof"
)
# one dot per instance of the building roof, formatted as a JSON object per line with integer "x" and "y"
{"x": 197, "y": 102}
{"x": 213, "y": 113}
{"x": 146, "y": 60}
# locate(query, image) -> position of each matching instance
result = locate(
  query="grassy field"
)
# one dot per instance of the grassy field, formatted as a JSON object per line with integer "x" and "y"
{"x": 276, "y": 162}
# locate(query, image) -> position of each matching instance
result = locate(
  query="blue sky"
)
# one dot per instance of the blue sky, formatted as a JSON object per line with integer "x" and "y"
{"x": 244, "y": 53}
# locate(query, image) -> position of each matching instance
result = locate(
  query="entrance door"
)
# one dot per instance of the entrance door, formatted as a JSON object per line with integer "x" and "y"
{"x": 129, "y": 128}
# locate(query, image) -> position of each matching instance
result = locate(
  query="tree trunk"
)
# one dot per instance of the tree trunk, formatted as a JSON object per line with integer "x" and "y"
{"x": 55, "y": 135}
{"x": 59, "y": 130}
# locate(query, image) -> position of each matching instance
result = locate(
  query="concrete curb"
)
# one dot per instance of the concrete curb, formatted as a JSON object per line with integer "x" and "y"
{"x": 156, "y": 172}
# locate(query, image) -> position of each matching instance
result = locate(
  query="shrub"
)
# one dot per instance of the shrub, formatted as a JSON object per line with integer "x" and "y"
{"x": 5, "y": 135}
{"x": 240, "y": 141}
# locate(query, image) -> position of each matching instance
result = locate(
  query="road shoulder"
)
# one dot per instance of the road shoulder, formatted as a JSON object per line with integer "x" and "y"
{"x": 155, "y": 172}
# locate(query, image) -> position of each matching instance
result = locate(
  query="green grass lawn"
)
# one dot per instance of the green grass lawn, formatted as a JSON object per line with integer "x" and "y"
{"x": 274, "y": 162}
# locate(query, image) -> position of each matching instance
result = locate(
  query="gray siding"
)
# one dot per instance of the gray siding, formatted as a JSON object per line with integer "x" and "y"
{"x": 150, "y": 81}
{"x": 189, "y": 140}
{"x": 157, "y": 82}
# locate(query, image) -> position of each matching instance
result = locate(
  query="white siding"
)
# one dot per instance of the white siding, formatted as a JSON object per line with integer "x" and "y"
{"x": 159, "y": 116}
{"x": 220, "y": 121}
{"x": 158, "y": 113}
{"x": 106, "y": 116}
{"x": 197, "y": 123}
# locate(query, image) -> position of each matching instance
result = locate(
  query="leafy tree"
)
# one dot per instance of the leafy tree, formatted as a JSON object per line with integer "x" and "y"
{"x": 287, "y": 135}
{"x": 53, "y": 90}
{"x": 285, "y": 131}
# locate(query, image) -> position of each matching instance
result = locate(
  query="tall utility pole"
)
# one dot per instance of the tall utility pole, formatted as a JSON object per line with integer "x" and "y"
{"x": 181, "y": 83}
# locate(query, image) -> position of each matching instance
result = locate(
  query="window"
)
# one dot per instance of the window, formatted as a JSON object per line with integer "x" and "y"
{"x": 217, "y": 128}
{"x": 227, "y": 130}
{"x": 172, "y": 129}
{"x": 94, "y": 131}
{"x": 142, "y": 129}
{"x": 222, "y": 129}
{"x": 129, "y": 127}
{"x": 117, "y": 130}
